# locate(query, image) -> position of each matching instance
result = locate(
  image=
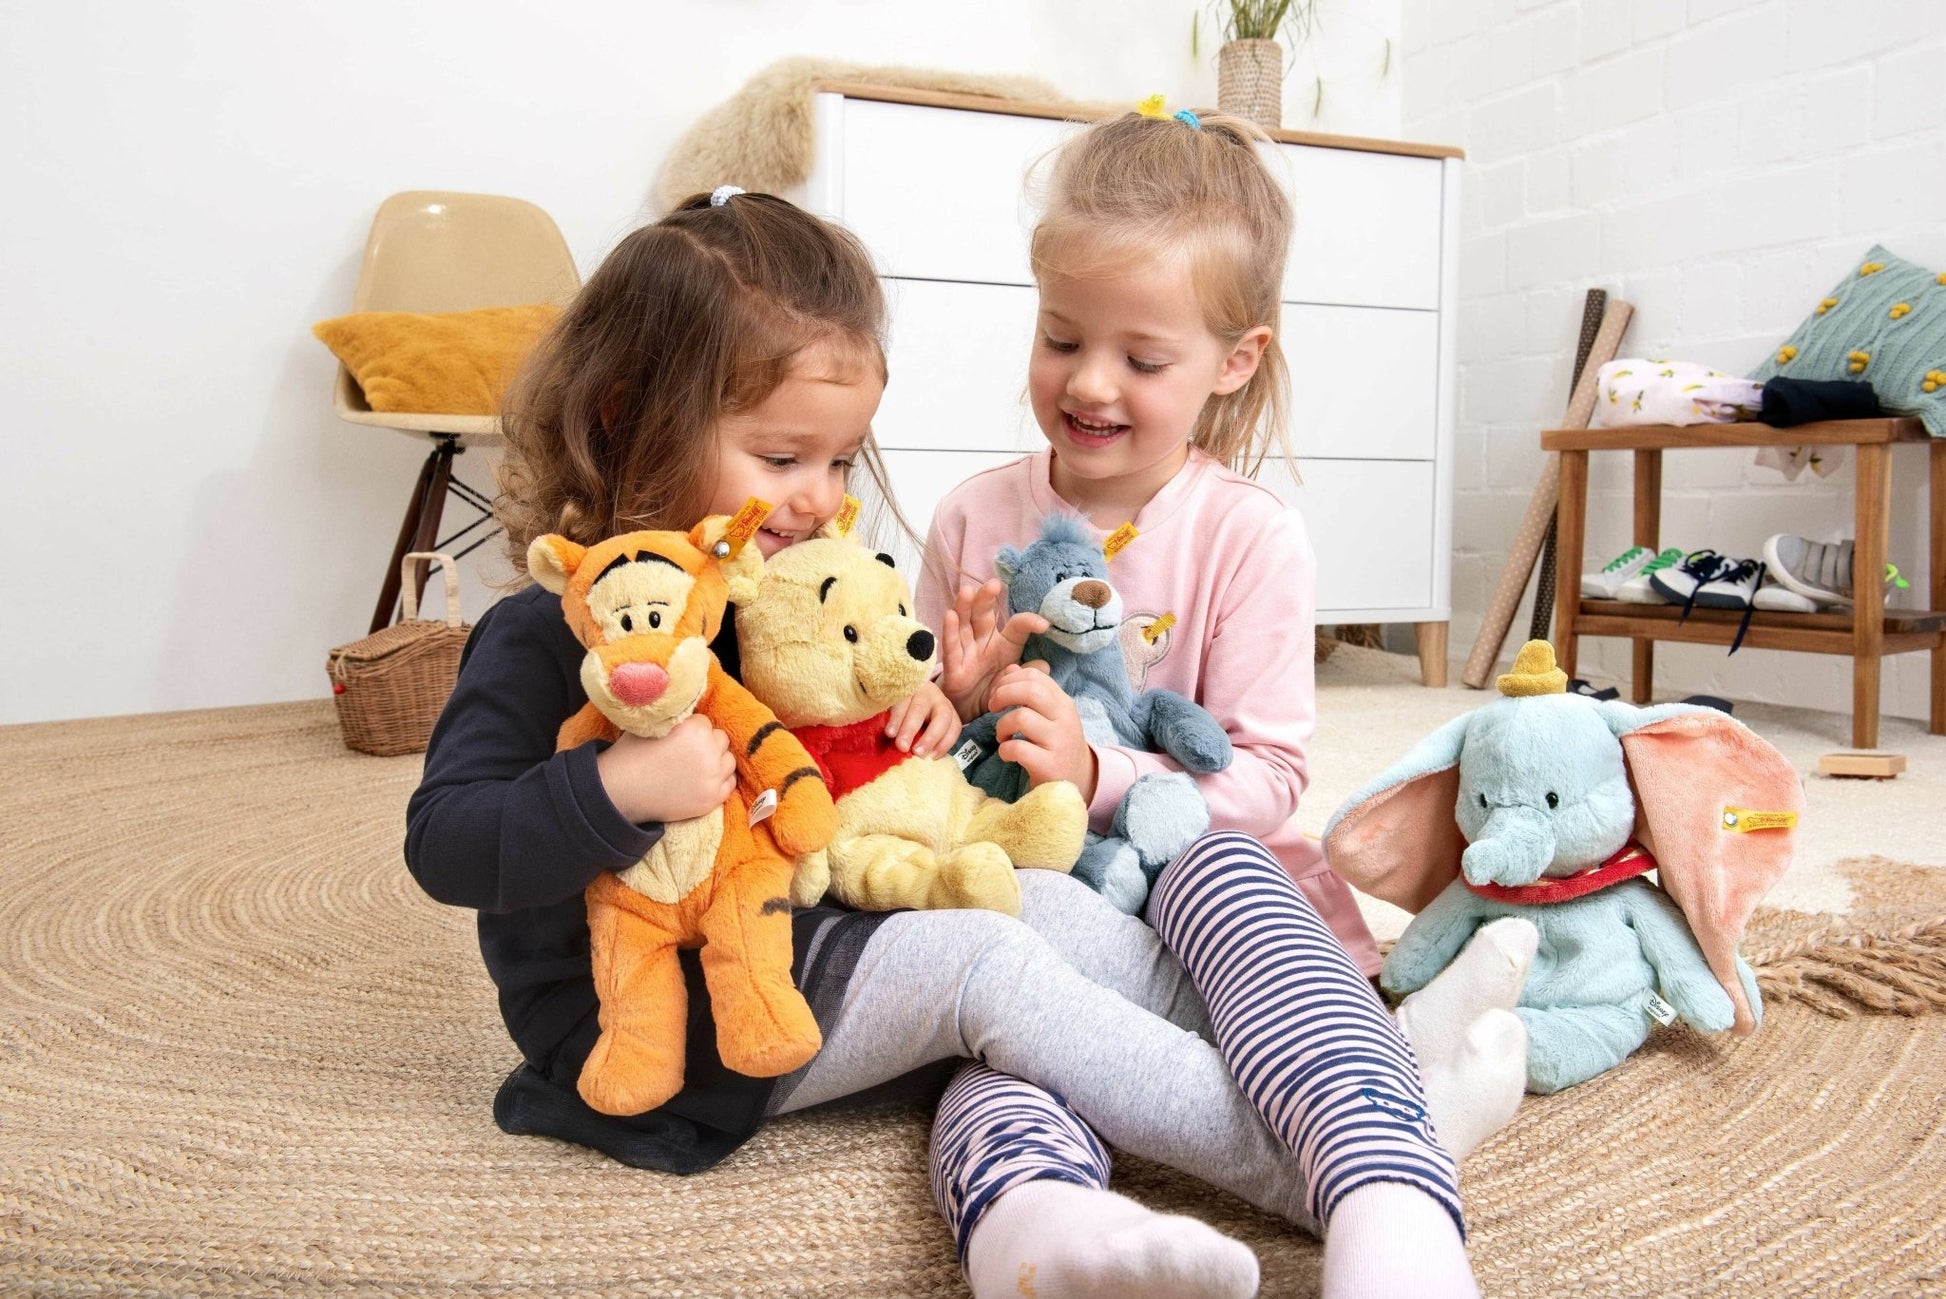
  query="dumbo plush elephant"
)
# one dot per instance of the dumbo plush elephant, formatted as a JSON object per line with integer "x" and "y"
{"x": 1555, "y": 807}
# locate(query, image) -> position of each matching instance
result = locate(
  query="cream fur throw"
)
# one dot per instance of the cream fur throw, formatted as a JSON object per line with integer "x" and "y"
{"x": 760, "y": 137}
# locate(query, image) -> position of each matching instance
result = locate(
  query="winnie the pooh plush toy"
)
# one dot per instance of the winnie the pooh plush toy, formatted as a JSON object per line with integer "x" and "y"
{"x": 646, "y": 605}
{"x": 827, "y": 642}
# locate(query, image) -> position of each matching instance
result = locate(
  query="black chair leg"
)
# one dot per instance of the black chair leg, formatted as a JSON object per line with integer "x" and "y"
{"x": 420, "y": 527}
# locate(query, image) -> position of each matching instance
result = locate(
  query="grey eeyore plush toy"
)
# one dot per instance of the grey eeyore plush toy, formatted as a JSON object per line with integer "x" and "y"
{"x": 1063, "y": 577}
{"x": 1555, "y": 807}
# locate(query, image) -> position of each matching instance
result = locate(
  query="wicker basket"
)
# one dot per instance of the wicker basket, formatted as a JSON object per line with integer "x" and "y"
{"x": 391, "y": 685}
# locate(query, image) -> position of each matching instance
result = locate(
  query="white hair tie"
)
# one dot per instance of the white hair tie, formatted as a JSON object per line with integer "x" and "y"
{"x": 723, "y": 194}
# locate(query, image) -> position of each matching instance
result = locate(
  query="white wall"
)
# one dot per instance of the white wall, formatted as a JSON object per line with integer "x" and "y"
{"x": 191, "y": 185}
{"x": 1719, "y": 164}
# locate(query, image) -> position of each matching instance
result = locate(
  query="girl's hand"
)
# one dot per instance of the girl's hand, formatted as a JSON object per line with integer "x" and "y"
{"x": 1043, "y": 732}
{"x": 975, "y": 646}
{"x": 923, "y": 724}
{"x": 685, "y": 774}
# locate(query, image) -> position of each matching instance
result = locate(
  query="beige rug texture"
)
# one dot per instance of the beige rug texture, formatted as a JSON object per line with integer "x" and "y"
{"x": 241, "y": 1054}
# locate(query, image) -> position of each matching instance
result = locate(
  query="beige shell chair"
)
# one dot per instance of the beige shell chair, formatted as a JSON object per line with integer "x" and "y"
{"x": 431, "y": 251}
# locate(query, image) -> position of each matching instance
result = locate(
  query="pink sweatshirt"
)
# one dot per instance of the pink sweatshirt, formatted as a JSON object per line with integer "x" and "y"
{"x": 1233, "y": 562}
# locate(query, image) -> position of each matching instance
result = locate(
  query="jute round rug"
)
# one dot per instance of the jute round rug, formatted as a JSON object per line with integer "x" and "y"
{"x": 240, "y": 1053}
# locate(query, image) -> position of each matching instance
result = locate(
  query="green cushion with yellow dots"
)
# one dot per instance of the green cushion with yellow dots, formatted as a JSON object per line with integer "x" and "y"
{"x": 1885, "y": 324}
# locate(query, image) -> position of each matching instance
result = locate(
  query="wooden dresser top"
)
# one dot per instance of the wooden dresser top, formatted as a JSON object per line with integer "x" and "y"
{"x": 1089, "y": 112}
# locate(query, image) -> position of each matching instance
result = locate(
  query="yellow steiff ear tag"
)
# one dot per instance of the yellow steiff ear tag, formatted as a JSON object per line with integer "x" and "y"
{"x": 847, "y": 518}
{"x": 1154, "y": 630}
{"x": 744, "y": 524}
{"x": 1742, "y": 820}
{"x": 1118, "y": 541}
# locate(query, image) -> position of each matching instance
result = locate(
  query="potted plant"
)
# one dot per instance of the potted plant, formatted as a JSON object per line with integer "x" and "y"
{"x": 1250, "y": 64}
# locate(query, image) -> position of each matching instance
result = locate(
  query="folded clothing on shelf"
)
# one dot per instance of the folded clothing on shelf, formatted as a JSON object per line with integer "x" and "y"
{"x": 1638, "y": 391}
{"x": 1790, "y": 402}
{"x": 1786, "y": 403}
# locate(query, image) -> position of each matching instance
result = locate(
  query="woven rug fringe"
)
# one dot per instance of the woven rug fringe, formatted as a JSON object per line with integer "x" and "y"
{"x": 1899, "y": 973}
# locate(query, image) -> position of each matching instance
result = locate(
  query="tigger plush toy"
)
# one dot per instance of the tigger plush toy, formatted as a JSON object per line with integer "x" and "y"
{"x": 647, "y": 605}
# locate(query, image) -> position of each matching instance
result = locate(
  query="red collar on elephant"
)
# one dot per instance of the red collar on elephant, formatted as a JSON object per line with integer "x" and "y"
{"x": 851, "y": 756}
{"x": 1632, "y": 860}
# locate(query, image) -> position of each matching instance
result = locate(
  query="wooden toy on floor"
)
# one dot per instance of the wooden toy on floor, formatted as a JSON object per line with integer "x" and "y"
{"x": 1869, "y": 764}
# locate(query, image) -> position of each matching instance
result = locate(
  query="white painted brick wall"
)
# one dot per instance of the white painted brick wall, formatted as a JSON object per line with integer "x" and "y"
{"x": 1719, "y": 164}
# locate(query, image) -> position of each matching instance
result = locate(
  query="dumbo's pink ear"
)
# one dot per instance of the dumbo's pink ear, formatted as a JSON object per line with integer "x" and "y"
{"x": 1397, "y": 839}
{"x": 1716, "y": 808}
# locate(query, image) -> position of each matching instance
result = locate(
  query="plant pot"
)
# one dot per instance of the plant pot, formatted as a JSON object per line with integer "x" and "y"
{"x": 1250, "y": 81}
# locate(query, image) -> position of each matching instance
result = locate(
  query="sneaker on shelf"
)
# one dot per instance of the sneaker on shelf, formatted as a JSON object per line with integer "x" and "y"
{"x": 1816, "y": 570}
{"x": 1713, "y": 581}
{"x": 1733, "y": 585}
{"x": 1677, "y": 583}
{"x": 1781, "y": 599}
{"x": 1601, "y": 584}
{"x": 1639, "y": 588}
{"x": 1820, "y": 570}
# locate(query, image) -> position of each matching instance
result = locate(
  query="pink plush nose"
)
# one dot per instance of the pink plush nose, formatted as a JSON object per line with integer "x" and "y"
{"x": 638, "y": 684}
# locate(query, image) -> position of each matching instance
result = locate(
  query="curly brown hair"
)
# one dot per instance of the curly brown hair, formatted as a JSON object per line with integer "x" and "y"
{"x": 611, "y": 425}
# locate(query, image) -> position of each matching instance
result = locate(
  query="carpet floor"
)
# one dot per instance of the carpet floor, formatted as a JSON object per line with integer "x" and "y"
{"x": 241, "y": 1054}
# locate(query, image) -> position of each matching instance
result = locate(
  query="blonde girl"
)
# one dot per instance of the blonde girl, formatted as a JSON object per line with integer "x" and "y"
{"x": 1155, "y": 376}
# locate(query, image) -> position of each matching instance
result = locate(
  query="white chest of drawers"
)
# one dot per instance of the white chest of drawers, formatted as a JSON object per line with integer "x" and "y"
{"x": 934, "y": 185}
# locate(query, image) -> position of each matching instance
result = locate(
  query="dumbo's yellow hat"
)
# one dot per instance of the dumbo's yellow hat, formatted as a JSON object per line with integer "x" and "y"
{"x": 1534, "y": 673}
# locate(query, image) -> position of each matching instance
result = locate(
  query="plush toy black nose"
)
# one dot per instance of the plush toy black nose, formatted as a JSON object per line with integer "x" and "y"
{"x": 919, "y": 645}
{"x": 1091, "y": 594}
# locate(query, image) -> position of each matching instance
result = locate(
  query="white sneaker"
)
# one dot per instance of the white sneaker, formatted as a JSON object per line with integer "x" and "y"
{"x": 1781, "y": 599}
{"x": 1713, "y": 581}
{"x": 1733, "y": 586}
{"x": 1638, "y": 589}
{"x": 1601, "y": 584}
{"x": 1679, "y": 583}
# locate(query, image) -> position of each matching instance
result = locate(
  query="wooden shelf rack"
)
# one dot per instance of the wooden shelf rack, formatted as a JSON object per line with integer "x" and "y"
{"x": 1866, "y": 634}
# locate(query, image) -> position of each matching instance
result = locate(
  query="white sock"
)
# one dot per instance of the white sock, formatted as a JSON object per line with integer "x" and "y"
{"x": 1387, "y": 1240}
{"x": 1472, "y": 1048}
{"x": 1055, "y": 1240}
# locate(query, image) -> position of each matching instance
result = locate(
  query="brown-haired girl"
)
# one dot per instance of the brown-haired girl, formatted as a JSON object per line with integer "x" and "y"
{"x": 729, "y": 350}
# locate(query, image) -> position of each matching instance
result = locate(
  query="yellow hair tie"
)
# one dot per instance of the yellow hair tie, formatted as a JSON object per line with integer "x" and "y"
{"x": 1152, "y": 107}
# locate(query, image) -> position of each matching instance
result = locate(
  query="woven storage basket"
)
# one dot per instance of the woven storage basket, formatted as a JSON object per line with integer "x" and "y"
{"x": 391, "y": 685}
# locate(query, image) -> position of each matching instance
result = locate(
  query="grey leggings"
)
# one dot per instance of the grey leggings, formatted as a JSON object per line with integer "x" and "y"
{"x": 1081, "y": 999}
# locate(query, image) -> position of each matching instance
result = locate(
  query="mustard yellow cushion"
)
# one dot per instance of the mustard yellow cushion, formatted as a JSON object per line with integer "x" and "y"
{"x": 452, "y": 363}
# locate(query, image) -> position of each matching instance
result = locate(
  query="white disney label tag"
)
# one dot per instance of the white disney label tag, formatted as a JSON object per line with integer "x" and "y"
{"x": 968, "y": 753}
{"x": 766, "y": 804}
{"x": 1661, "y": 1011}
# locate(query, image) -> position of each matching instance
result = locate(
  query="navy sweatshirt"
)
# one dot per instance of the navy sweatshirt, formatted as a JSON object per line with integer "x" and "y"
{"x": 503, "y": 824}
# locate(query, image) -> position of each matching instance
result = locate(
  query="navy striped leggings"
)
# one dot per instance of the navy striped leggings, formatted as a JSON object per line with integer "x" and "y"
{"x": 1309, "y": 1042}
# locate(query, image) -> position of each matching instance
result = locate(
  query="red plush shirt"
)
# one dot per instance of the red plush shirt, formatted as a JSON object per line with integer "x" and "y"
{"x": 853, "y": 756}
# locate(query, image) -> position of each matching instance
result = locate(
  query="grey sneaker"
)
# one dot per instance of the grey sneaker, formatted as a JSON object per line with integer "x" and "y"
{"x": 1816, "y": 570}
{"x": 1819, "y": 570}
